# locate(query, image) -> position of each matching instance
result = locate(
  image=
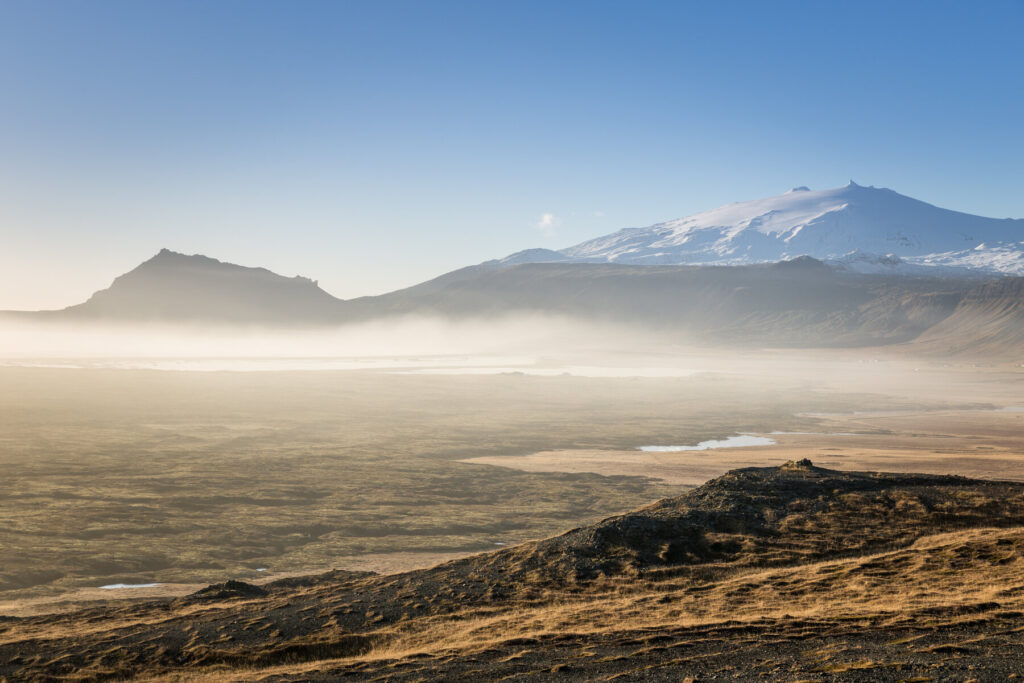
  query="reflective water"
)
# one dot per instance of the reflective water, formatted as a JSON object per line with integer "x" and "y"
{"x": 738, "y": 441}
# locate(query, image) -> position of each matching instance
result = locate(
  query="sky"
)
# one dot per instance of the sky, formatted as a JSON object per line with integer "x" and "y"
{"x": 372, "y": 145}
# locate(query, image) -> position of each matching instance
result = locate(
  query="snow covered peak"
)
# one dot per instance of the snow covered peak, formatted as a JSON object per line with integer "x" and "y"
{"x": 825, "y": 224}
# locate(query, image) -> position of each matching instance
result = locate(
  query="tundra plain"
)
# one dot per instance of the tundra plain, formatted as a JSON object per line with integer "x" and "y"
{"x": 187, "y": 478}
{"x": 118, "y": 476}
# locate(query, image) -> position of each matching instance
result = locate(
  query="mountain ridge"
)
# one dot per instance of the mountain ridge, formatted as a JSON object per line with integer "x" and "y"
{"x": 802, "y": 302}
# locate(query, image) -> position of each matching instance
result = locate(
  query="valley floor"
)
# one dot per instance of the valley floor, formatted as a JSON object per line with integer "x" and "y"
{"x": 790, "y": 572}
{"x": 986, "y": 443}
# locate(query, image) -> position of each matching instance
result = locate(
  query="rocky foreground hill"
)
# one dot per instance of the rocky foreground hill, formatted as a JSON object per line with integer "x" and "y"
{"x": 791, "y": 573}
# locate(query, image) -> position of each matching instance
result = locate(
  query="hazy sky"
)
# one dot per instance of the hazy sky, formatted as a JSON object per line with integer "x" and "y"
{"x": 375, "y": 144}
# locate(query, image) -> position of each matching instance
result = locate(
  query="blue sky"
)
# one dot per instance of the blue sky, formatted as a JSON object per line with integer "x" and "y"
{"x": 372, "y": 145}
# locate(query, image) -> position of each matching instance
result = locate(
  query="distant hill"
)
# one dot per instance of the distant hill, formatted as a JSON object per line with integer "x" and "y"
{"x": 173, "y": 287}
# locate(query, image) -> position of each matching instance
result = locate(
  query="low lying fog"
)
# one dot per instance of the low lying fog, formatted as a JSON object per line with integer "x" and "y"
{"x": 532, "y": 345}
{"x": 401, "y": 337}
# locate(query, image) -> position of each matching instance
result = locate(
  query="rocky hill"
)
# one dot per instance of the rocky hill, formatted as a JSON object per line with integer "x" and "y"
{"x": 791, "y": 572}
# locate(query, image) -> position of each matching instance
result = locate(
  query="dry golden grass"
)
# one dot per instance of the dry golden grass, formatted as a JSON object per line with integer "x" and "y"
{"x": 934, "y": 574}
{"x": 725, "y": 609}
{"x": 943, "y": 570}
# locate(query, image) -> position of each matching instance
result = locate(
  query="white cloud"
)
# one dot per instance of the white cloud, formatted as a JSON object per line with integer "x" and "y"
{"x": 547, "y": 224}
{"x": 599, "y": 214}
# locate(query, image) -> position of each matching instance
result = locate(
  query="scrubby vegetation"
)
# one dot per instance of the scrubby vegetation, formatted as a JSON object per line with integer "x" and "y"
{"x": 910, "y": 575}
{"x": 116, "y": 476}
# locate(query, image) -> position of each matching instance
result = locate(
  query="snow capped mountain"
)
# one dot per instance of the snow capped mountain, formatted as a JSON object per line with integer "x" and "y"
{"x": 865, "y": 229}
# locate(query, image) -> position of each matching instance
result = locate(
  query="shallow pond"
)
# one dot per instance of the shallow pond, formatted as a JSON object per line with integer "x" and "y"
{"x": 738, "y": 441}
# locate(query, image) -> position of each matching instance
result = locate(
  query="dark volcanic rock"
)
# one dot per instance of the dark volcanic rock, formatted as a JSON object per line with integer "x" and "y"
{"x": 229, "y": 589}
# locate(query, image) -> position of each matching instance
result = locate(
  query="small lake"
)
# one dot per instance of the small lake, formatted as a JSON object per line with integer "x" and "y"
{"x": 738, "y": 441}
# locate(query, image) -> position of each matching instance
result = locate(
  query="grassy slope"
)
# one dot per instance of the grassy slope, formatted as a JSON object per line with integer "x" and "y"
{"x": 784, "y": 572}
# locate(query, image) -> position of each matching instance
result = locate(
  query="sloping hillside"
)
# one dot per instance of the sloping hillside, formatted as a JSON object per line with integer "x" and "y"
{"x": 988, "y": 321}
{"x": 788, "y": 571}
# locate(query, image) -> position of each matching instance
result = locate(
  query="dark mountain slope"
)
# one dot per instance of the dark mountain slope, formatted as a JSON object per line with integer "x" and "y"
{"x": 792, "y": 303}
